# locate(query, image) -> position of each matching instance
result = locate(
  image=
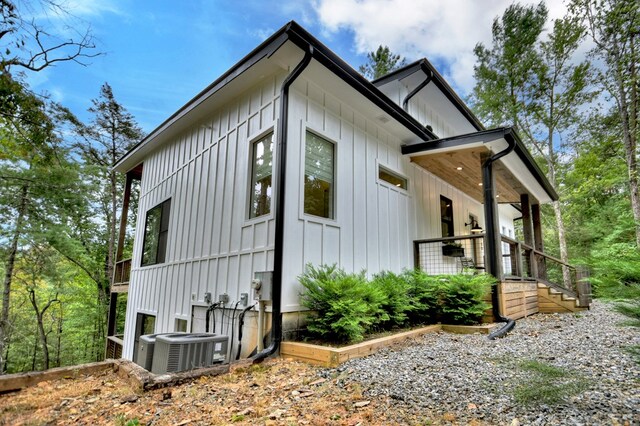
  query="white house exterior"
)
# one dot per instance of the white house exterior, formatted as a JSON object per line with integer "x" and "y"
{"x": 209, "y": 217}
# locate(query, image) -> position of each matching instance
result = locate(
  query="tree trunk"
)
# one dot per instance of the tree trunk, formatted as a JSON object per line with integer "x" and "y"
{"x": 630, "y": 147}
{"x": 8, "y": 276}
{"x": 40, "y": 323}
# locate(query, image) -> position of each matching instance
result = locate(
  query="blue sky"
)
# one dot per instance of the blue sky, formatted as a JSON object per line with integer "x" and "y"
{"x": 159, "y": 54}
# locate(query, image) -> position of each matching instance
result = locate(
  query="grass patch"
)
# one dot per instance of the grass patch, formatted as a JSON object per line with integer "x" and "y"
{"x": 548, "y": 384}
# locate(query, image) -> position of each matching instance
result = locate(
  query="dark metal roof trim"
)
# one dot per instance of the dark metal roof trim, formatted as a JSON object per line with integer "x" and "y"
{"x": 334, "y": 63}
{"x": 303, "y": 39}
{"x": 439, "y": 81}
{"x": 507, "y": 133}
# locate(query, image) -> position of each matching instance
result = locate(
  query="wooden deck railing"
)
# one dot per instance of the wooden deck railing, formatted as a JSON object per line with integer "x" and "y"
{"x": 122, "y": 272}
{"x": 114, "y": 347}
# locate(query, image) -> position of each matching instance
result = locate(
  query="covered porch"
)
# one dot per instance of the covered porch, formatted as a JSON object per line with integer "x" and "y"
{"x": 495, "y": 169}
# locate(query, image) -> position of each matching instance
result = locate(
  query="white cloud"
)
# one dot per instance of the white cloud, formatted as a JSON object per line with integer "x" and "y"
{"x": 438, "y": 30}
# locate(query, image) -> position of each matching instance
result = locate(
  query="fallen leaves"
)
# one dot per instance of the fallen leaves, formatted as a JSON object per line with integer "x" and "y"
{"x": 277, "y": 392}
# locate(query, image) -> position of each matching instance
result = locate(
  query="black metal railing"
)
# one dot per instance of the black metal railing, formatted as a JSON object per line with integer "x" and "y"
{"x": 465, "y": 254}
{"x": 450, "y": 255}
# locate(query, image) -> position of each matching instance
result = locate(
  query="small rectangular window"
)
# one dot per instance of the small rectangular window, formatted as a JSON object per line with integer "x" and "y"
{"x": 181, "y": 325}
{"x": 261, "y": 176}
{"x": 446, "y": 216}
{"x": 156, "y": 231}
{"x": 391, "y": 177}
{"x": 319, "y": 172}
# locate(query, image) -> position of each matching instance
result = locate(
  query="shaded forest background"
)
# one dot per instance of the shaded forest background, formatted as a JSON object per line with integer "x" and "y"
{"x": 60, "y": 201}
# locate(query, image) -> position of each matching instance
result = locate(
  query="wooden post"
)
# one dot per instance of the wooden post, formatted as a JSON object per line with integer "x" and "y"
{"x": 538, "y": 243}
{"x": 527, "y": 225}
{"x": 135, "y": 173}
{"x": 123, "y": 217}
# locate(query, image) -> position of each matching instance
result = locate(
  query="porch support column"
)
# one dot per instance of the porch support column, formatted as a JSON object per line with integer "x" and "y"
{"x": 493, "y": 249}
{"x": 527, "y": 228}
{"x": 113, "y": 300}
{"x": 538, "y": 243}
{"x": 527, "y": 225}
{"x": 123, "y": 217}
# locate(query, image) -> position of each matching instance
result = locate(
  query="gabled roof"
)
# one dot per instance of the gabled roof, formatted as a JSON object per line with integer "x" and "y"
{"x": 420, "y": 66}
{"x": 291, "y": 32}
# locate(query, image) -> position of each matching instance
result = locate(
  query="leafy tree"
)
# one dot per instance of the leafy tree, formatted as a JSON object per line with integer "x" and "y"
{"x": 534, "y": 85}
{"x": 614, "y": 27}
{"x": 109, "y": 135}
{"x": 38, "y": 183}
{"x": 380, "y": 63}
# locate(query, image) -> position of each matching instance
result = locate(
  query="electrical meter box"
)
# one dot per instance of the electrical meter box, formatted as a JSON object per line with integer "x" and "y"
{"x": 262, "y": 285}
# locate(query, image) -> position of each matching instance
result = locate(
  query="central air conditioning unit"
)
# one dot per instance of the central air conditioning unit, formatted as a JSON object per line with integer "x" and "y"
{"x": 181, "y": 352}
{"x": 146, "y": 344}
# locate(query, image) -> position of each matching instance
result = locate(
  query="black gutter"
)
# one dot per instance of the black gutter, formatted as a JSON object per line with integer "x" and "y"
{"x": 281, "y": 171}
{"x": 491, "y": 231}
{"x": 331, "y": 61}
{"x": 405, "y": 101}
{"x": 440, "y": 83}
{"x": 265, "y": 49}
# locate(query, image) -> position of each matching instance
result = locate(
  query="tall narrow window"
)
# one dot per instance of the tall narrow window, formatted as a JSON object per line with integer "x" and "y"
{"x": 446, "y": 216}
{"x": 261, "y": 173}
{"x": 318, "y": 176}
{"x": 156, "y": 231}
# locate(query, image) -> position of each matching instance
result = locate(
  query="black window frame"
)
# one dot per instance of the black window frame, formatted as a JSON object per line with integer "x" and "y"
{"x": 263, "y": 208}
{"x": 446, "y": 216}
{"x": 162, "y": 237}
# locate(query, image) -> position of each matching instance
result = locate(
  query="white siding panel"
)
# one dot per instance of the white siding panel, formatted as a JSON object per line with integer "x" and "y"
{"x": 211, "y": 245}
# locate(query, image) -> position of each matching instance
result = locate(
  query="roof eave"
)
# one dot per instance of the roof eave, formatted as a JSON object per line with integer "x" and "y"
{"x": 439, "y": 81}
{"x": 293, "y": 32}
{"x": 500, "y": 132}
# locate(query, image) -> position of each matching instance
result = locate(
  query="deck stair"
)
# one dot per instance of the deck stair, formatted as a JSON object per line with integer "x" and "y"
{"x": 554, "y": 298}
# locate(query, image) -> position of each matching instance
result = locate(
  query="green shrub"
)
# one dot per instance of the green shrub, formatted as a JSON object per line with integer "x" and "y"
{"x": 396, "y": 302}
{"x": 462, "y": 297}
{"x": 451, "y": 299}
{"x": 423, "y": 301}
{"x": 346, "y": 305}
{"x": 616, "y": 271}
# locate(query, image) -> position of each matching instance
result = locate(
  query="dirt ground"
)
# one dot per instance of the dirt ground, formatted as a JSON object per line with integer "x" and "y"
{"x": 277, "y": 392}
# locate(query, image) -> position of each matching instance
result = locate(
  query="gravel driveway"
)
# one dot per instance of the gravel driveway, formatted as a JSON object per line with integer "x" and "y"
{"x": 551, "y": 369}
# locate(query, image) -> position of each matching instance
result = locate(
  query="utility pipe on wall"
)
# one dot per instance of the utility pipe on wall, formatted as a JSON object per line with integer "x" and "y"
{"x": 281, "y": 171}
{"x": 427, "y": 71}
{"x": 491, "y": 226}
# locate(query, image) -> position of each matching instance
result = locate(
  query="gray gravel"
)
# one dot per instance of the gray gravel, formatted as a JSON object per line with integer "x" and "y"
{"x": 466, "y": 377}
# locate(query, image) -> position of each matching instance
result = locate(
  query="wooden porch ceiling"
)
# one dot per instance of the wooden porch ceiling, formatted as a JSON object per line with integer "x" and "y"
{"x": 445, "y": 165}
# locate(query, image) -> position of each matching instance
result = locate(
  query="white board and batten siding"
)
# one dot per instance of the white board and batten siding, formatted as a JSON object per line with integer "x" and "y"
{"x": 212, "y": 245}
{"x": 375, "y": 223}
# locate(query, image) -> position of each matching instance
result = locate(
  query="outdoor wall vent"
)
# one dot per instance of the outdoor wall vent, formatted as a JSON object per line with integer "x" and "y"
{"x": 180, "y": 352}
